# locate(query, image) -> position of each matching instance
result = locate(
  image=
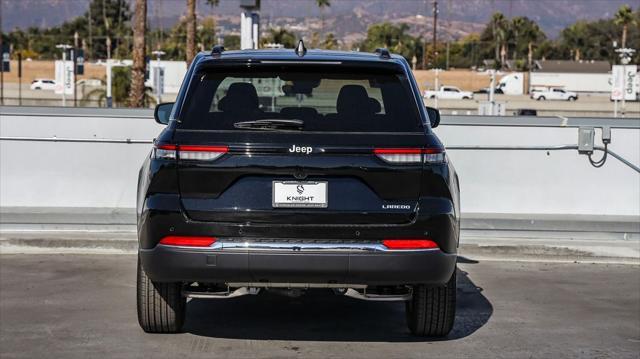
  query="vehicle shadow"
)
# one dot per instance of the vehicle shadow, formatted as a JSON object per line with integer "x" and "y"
{"x": 323, "y": 316}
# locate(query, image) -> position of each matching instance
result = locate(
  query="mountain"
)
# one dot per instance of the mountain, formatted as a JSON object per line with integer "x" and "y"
{"x": 346, "y": 18}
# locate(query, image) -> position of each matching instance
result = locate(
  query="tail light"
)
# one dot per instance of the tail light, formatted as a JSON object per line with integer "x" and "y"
{"x": 409, "y": 243}
{"x": 410, "y": 155}
{"x": 190, "y": 152}
{"x": 188, "y": 241}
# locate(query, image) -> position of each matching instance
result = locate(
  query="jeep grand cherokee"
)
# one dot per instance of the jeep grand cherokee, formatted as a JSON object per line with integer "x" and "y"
{"x": 283, "y": 170}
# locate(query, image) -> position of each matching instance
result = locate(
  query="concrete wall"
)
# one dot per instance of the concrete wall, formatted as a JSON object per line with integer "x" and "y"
{"x": 57, "y": 174}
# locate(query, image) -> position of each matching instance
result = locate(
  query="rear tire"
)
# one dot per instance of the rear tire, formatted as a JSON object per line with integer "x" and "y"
{"x": 432, "y": 310}
{"x": 571, "y": 99}
{"x": 541, "y": 98}
{"x": 161, "y": 306}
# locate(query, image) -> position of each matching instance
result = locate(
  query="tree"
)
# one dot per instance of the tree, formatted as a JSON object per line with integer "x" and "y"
{"x": 191, "y": 31}
{"x": 624, "y": 17}
{"x": 191, "y": 27}
{"x": 330, "y": 42}
{"x": 393, "y": 37}
{"x": 136, "y": 95}
{"x": 232, "y": 42}
{"x": 281, "y": 36}
{"x": 121, "y": 81}
{"x": 322, "y": 4}
{"x": 525, "y": 34}
{"x": 500, "y": 28}
{"x": 575, "y": 38}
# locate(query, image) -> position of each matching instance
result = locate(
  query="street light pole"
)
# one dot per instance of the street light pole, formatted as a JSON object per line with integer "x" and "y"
{"x": 64, "y": 48}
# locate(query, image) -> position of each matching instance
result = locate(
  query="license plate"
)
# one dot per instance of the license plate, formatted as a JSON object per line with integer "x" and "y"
{"x": 299, "y": 194}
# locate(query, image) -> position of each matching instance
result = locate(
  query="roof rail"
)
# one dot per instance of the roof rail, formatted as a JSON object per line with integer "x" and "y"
{"x": 300, "y": 49}
{"x": 383, "y": 53}
{"x": 217, "y": 50}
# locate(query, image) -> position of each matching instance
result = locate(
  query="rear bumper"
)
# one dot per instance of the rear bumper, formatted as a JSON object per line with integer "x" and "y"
{"x": 180, "y": 264}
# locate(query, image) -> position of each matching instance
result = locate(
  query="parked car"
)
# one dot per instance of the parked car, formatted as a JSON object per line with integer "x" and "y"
{"x": 343, "y": 186}
{"x": 448, "y": 93}
{"x": 43, "y": 84}
{"x": 553, "y": 94}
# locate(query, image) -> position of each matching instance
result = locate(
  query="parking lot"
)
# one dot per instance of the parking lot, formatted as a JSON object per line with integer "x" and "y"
{"x": 79, "y": 306}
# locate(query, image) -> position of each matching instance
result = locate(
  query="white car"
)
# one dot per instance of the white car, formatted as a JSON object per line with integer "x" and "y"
{"x": 43, "y": 84}
{"x": 554, "y": 94}
{"x": 449, "y": 93}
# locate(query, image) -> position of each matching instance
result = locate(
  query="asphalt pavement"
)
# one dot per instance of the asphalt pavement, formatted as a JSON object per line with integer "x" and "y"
{"x": 80, "y": 306}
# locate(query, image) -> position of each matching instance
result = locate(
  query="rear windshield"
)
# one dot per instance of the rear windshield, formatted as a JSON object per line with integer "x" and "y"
{"x": 321, "y": 99}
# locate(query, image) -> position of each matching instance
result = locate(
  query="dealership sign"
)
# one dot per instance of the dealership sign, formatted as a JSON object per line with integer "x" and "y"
{"x": 624, "y": 82}
{"x": 64, "y": 77}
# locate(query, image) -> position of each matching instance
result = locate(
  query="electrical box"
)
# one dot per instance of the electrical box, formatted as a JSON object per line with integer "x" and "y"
{"x": 585, "y": 140}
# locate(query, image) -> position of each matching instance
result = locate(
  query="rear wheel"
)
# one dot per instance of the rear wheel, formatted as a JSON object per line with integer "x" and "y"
{"x": 432, "y": 310}
{"x": 541, "y": 98}
{"x": 161, "y": 306}
{"x": 572, "y": 98}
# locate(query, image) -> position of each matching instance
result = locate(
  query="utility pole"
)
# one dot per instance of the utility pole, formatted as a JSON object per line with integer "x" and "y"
{"x": 435, "y": 31}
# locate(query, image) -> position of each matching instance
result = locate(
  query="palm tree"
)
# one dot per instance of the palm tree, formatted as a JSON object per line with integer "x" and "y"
{"x": 533, "y": 35}
{"x": 526, "y": 33}
{"x": 136, "y": 95}
{"x": 191, "y": 30}
{"x": 624, "y": 17}
{"x": 191, "y": 27}
{"x": 322, "y": 4}
{"x": 500, "y": 26}
{"x": 518, "y": 25}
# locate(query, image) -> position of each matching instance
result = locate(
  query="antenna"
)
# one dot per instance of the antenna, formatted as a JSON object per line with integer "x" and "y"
{"x": 300, "y": 49}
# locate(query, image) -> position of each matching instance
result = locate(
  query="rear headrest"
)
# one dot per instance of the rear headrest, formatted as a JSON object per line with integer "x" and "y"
{"x": 353, "y": 99}
{"x": 241, "y": 96}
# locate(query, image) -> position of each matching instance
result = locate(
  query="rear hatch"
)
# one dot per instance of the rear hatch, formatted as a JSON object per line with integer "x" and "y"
{"x": 294, "y": 145}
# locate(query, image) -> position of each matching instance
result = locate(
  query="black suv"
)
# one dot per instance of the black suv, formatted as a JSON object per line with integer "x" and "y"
{"x": 293, "y": 170}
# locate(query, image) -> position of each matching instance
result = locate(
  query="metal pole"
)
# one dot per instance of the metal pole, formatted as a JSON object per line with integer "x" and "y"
{"x": 436, "y": 88}
{"x": 73, "y": 56}
{"x": 492, "y": 86}
{"x": 624, "y": 89}
{"x": 64, "y": 76}
{"x": 19, "y": 79}
{"x": 109, "y": 99}
{"x": 157, "y": 70}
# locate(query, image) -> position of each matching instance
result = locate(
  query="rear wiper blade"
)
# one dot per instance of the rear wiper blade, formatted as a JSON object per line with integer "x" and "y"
{"x": 271, "y": 124}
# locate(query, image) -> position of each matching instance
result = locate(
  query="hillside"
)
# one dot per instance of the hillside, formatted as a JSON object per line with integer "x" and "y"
{"x": 348, "y": 19}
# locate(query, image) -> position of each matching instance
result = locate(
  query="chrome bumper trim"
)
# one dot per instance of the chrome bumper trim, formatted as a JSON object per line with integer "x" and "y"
{"x": 295, "y": 285}
{"x": 308, "y": 247}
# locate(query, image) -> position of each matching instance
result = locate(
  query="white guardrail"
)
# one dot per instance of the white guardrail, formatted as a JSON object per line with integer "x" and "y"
{"x": 78, "y": 157}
